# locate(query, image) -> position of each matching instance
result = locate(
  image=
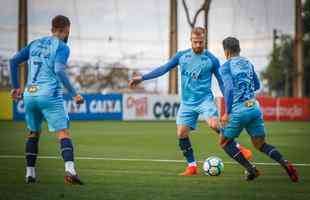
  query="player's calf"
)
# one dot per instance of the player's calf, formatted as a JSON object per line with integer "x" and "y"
{"x": 187, "y": 150}
{"x": 234, "y": 152}
{"x": 269, "y": 150}
{"x": 66, "y": 147}
{"x": 213, "y": 123}
{"x": 31, "y": 152}
{"x": 274, "y": 154}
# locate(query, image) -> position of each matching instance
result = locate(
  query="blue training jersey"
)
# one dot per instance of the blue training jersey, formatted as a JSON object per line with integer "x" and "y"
{"x": 43, "y": 53}
{"x": 240, "y": 81}
{"x": 44, "y": 76}
{"x": 196, "y": 75}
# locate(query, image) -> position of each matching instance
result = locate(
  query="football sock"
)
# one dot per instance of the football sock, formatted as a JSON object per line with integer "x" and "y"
{"x": 30, "y": 171}
{"x": 31, "y": 151}
{"x": 231, "y": 149}
{"x": 67, "y": 154}
{"x": 187, "y": 150}
{"x": 69, "y": 167}
{"x": 273, "y": 153}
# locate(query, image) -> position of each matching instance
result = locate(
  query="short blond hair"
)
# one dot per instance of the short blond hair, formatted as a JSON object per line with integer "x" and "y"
{"x": 199, "y": 31}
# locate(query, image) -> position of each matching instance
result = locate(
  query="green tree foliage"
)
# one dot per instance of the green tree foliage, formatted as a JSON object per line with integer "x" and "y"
{"x": 307, "y": 46}
{"x": 280, "y": 70}
{"x": 307, "y": 17}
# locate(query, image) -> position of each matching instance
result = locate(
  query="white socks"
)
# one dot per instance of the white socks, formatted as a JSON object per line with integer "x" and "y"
{"x": 192, "y": 164}
{"x": 31, "y": 171}
{"x": 69, "y": 167}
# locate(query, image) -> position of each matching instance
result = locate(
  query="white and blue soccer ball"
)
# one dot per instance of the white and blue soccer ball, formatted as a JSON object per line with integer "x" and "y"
{"x": 213, "y": 166}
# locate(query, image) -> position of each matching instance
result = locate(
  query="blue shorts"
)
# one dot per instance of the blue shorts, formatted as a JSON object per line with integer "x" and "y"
{"x": 188, "y": 115}
{"x": 242, "y": 116}
{"x": 49, "y": 108}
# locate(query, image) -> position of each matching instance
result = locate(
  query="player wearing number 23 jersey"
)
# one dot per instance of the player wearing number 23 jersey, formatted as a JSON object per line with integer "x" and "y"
{"x": 243, "y": 111}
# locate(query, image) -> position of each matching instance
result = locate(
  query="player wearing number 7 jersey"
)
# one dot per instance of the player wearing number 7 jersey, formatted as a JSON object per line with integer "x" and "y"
{"x": 43, "y": 96}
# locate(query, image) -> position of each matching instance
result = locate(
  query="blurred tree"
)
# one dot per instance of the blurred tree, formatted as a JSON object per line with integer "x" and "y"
{"x": 306, "y": 20}
{"x": 280, "y": 70}
{"x": 192, "y": 22}
{"x": 205, "y": 7}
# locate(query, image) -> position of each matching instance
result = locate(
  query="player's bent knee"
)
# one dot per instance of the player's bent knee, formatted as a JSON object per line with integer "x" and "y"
{"x": 223, "y": 141}
{"x": 63, "y": 134}
{"x": 258, "y": 143}
{"x": 212, "y": 122}
{"x": 182, "y": 132}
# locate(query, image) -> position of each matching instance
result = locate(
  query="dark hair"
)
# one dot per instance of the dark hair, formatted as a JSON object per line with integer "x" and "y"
{"x": 60, "y": 22}
{"x": 231, "y": 44}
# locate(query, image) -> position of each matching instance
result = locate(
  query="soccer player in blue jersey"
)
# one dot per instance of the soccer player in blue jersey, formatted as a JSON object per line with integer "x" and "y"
{"x": 243, "y": 111}
{"x": 43, "y": 96}
{"x": 197, "y": 65}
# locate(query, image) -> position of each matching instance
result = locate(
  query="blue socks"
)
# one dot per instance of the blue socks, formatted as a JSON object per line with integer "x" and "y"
{"x": 32, "y": 151}
{"x": 232, "y": 150}
{"x": 66, "y": 149}
{"x": 273, "y": 153}
{"x": 187, "y": 150}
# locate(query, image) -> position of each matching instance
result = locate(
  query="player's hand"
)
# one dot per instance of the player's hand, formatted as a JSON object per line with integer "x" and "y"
{"x": 135, "y": 81}
{"x": 78, "y": 99}
{"x": 16, "y": 94}
{"x": 225, "y": 119}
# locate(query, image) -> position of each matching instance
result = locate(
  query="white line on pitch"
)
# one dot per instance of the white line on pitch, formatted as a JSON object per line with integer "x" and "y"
{"x": 140, "y": 160}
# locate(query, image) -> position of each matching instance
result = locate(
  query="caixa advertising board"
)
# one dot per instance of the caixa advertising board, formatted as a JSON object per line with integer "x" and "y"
{"x": 95, "y": 107}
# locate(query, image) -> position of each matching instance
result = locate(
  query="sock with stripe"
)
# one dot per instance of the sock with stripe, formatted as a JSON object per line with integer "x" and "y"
{"x": 273, "y": 153}
{"x": 231, "y": 149}
{"x": 67, "y": 155}
{"x": 32, "y": 148}
{"x": 186, "y": 147}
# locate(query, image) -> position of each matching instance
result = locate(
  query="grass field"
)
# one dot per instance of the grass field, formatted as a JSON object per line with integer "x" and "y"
{"x": 141, "y": 160}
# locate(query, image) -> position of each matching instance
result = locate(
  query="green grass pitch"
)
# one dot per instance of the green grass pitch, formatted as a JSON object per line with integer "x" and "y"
{"x": 140, "y": 162}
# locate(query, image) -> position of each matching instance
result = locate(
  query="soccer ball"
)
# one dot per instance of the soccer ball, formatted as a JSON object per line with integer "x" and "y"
{"x": 213, "y": 166}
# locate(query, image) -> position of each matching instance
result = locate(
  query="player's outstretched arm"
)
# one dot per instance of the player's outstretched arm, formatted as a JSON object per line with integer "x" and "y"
{"x": 173, "y": 62}
{"x": 17, "y": 59}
